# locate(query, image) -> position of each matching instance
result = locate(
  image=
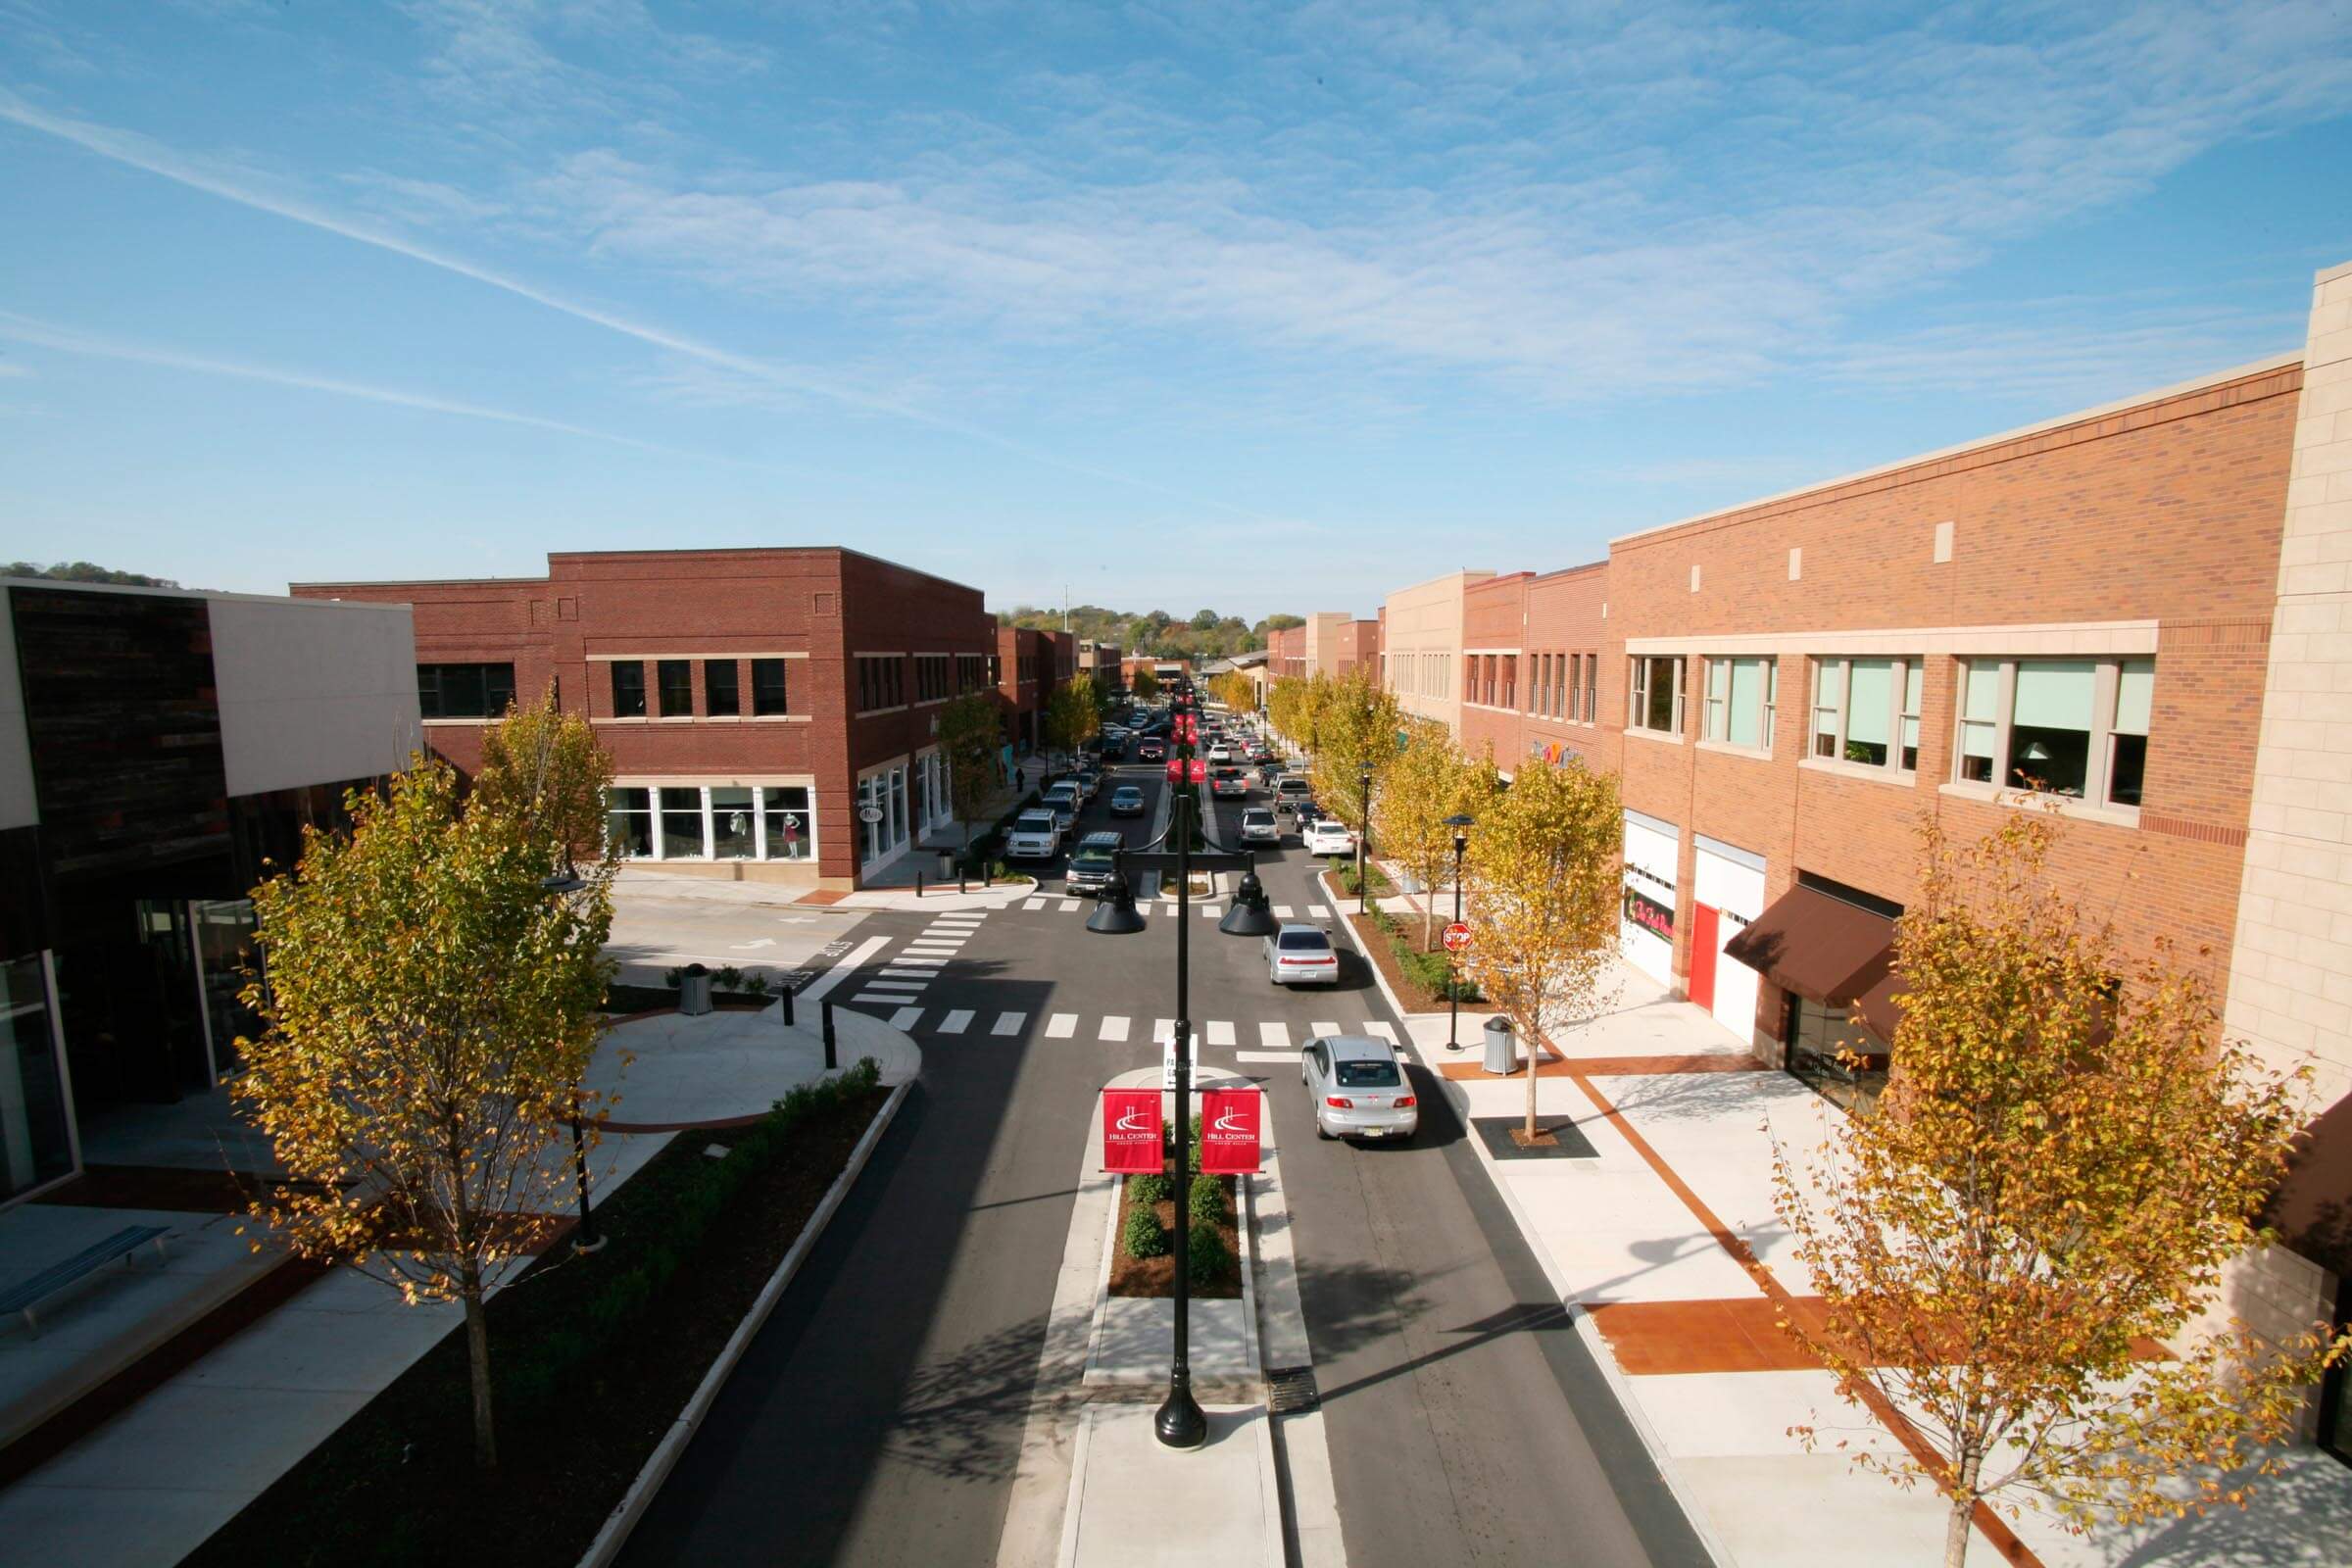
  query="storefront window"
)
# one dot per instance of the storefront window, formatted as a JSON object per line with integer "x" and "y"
{"x": 1815, "y": 1036}
{"x": 225, "y": 950}
{"x": 34, "y": 1144}
{"x": 731, "y": 824}
{"x": 791, "y": 827}
{"x": 629, "y": 822}
{"x": 681, "y": 824}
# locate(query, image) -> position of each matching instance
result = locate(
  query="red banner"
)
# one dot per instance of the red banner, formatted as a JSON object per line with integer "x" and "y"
{"x": 1131, "y": 1131}
{"x": 1228, "y": 1131}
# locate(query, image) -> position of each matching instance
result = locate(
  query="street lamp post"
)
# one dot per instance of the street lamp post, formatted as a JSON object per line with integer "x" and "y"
{"x": 1363, "y": 837}
{"x": 563, "y": 883}
{"x": 1461, "y": 822}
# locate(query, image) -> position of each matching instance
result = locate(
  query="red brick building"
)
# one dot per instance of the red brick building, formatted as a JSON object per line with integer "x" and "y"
{"x": 1530, "y": 661}
{"x": 1031, "y": 666}
{"x": 756, "y": 701}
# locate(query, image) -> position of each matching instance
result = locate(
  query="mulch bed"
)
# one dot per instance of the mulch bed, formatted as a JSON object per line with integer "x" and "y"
{"x": 1416, "y": 996}
{"x": 637, "y": 1000}
{"x": 1156, "y": 1276}
{"x": 397, "y": 1484}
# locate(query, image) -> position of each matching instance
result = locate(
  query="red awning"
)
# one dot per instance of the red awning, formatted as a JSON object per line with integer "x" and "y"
{"x": 1828, "y": 950}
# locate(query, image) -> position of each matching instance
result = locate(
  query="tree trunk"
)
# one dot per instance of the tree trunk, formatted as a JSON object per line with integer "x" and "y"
{"x": 1961, "y": 1520}
{"x": 477, "y": 1355}
{"x": 1429, "y": 912}
{"x": 1527, "y": 1042}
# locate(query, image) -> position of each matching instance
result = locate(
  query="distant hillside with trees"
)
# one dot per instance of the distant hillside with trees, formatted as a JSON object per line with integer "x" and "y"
{"x": 84, "y": 571}
{"x": 1160, "y": 636}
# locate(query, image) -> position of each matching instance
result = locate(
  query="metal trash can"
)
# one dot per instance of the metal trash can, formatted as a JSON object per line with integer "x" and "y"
{"x": 1502, "y": 1052}
{"x": 694, "y": 990}
{"x": 946, "y": 865}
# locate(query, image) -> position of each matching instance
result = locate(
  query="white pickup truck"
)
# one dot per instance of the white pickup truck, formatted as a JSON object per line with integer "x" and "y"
{"x": 1035, "y": 836}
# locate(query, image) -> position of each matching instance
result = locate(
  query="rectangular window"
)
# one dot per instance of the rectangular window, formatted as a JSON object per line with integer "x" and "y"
{"x": 767, "y": 687}
{"x": 677, "y": 687}
{"x": 1740, "y": 694}
{"x": 1591, "y": 688}
{"x": 681, "y": 824}
{"x": 465, "y": 691}
{"x": 1865, "y": 712}
{"x": 628, "y": 688}
{"x": 1716, "y": 725}
{"x": 1870, "y": 709}
{"x": 629, "y": 822}
{"x": 732, "y": 832}
{"x": 2076, "y": 728}
{"x": 1657, "y": 703}
{"x": 1979, "y": 720}
{"x": 36, "y": 1144}
{"x": 790, "y": 823}
{"x": 1915, "y": 679}
{"x": 1829, "y": 692}
{"x": 721, "y": 698}
{"x": 2128, "y": 742}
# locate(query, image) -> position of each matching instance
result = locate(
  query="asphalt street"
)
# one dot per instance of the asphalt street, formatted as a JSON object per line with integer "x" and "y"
{"x": 877, "y": 1417}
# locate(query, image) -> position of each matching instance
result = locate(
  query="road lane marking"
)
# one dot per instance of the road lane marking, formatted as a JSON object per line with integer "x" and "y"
{"x": 1282, "y": 911}
{"x": 1115, "y": 1027}
{"x": 1220, "y": 1033}
{"x": 956, "y": 1022}
{"x": 1010, "y": 1023}
{"x": 1061, "y": 1026}
{"x": 1274, "y": 1036}
{"x": 1266, "y": 1056}
{"x": 816, "y": 988}
{"x": 904, "y": 1018}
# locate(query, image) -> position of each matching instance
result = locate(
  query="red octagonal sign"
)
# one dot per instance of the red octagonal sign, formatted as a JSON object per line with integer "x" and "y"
{"x": 1457, "y": 936}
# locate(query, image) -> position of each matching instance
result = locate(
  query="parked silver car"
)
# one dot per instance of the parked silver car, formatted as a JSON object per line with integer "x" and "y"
{"x": 1358, "y": 1088}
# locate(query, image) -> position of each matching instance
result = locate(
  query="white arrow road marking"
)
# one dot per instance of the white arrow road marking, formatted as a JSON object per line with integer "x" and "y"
{"x": 796, "y": 920}
{"x": 747, "y": 947}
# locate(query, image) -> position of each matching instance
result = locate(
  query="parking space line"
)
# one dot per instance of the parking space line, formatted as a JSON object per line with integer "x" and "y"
{"x": 1115, "y": 1027}
{"x": 1061, "y": 1026}
{"x": 956, "y": 1022}
{"x": 1010, "y": 1023}
{"x": 1220, "y": 1033}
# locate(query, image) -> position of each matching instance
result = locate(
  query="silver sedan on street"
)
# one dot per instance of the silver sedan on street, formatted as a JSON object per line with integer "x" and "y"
{"x": 1359, "y": 1088}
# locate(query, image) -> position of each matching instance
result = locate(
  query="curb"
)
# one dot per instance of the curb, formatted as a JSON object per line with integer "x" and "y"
{"x": 632, "y": 1506}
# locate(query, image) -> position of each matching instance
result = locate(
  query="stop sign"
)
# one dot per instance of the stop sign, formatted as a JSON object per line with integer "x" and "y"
{"x": 1457, "y": 936}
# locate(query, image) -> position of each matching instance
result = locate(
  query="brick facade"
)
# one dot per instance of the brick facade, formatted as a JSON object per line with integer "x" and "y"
{"x": 1543, "y": 634}
{"x": 819, "y": 610}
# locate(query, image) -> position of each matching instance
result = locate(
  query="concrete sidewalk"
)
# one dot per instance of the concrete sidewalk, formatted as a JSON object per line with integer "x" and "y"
{"x": 1660, "y": 1227}
{"x": 153, "y": 1483}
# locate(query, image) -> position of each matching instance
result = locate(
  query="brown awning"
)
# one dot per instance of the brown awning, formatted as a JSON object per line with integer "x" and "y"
{"x": 1828, "y": 950}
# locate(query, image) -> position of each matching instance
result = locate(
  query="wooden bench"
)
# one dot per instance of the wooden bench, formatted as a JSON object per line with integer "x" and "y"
{"x": 56, "y": 1277}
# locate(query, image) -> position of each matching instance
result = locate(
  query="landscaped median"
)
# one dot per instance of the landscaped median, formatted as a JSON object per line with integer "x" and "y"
{"x": 602, "y": 1363}
{"x": 1418, "y": 975}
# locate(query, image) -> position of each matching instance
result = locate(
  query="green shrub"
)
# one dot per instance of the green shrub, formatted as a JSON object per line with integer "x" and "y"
{"x": 727, "y": 979}
{"x": 1152, "y": 1189}
{"x": 1208, "y": 1255}
{"x": 1207, "y": 1203}
{"x": 756, "y": 985}
{"x": 671, "y": 977}
{"x": 1143, "y": 1236}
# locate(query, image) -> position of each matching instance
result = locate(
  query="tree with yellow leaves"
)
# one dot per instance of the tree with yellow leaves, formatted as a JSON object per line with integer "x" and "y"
{"x": 1356, "y": 731}
{"x": 544, "y": 767}
{"x": 2065, "y": 1155}
{"x": 1425, "y": 783}
{"x": 431, "y": 999}
{"x": 1543, "y": 903}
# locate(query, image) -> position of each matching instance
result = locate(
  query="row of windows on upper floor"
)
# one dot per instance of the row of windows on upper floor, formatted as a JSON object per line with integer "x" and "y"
{"x": 1561, "y": 686}
{"x": 2074, "y": 728}
{"x": 487, "y": 690}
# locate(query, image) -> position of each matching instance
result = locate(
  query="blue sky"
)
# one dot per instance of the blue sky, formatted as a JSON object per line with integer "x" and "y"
{"x": 1178, "y": 304}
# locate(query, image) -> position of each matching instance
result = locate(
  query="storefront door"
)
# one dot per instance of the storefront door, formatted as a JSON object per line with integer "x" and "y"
{"x": 1704, "y": 922}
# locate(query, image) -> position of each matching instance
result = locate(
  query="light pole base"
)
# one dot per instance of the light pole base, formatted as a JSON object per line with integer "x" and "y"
{"x": 1180, "y": 1423}
{"x": 587, "y": 1249}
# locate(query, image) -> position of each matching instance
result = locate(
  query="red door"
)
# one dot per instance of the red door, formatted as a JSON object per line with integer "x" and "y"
{"x": 1702, "y": 955}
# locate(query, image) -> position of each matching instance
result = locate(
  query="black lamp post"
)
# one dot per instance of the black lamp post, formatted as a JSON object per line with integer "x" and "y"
{"x": 562, "y": 884}
{"x": 1179, "y": 1423}
{"x": 1461, "y": 822}
{"x": 1363, "y": 836}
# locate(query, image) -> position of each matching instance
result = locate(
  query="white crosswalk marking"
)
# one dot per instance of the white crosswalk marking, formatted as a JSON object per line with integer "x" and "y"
{"x": 1220, "y": 1033}
{"x": 1265, "y": 1055}
{"x": 904, "y": 1018}
{"x": 1274, "y": 1036}
{"x": 1067, "y": 904}
{"x": 956, "y": 1022}
{"x": 1162, "y": 1030}
{"x": 912, "y": 974}
{"x": 1115, "y": 1027}
{"x": 936, "y": 947}
{"x": 1010, "y": 1023}
{"x": 1061, "y": 1026}
{"x": 930, "y": 961}
{"x": 1143, "y": 908}
{"x": 1381, "y": 1031}
{"x": 897, "y": 988}
{"x": 1322, "y": 1028}
{"x": 893, "y": 998}
{"x": 1318, "y": 912}
{"x": 1282, "y": 911}
{"x": 1033, "y": 905}
{"x": 1210, "y": 910}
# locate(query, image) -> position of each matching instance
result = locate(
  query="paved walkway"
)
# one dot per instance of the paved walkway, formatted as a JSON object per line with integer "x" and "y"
{"x": 1663, "y": 1230}
{"x": 153, "y": 1483}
